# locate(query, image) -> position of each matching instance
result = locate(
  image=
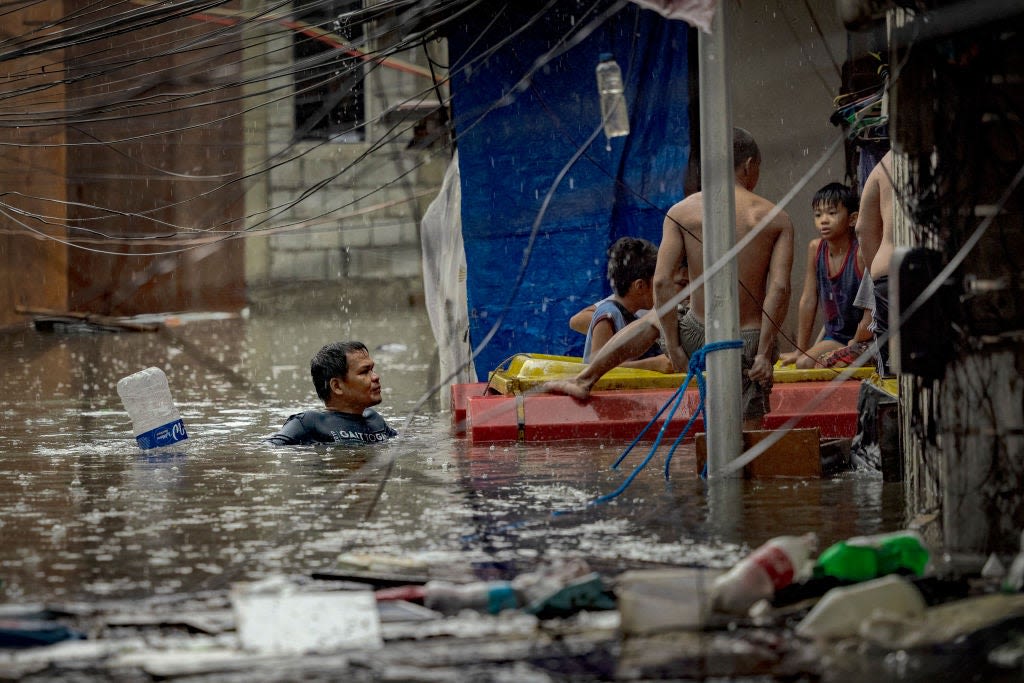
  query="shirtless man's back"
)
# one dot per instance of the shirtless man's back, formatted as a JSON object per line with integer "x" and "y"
{"x": 763, "y": 266}
{"x": 753, "y": 262}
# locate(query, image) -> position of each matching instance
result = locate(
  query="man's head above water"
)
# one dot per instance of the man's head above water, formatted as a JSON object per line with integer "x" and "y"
{"x": 344, "y": 378}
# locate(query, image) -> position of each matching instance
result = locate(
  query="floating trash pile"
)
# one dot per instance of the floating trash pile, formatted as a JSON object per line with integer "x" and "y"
{"x": 867, "y": 606}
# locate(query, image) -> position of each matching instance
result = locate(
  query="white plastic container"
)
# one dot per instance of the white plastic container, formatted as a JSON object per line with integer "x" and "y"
{"x": 774, "y": 565}
{"x": 841, "y": 611}
{"x": 613, "y": 98}
{"x": 156, "y": 422}
{"x": 656, "y": 600}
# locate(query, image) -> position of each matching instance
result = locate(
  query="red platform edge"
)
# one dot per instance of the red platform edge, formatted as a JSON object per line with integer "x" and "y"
{"x": 622, "y": 414}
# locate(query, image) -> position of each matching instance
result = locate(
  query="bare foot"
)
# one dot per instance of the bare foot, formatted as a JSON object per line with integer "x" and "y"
{"x": 568, "y": 387}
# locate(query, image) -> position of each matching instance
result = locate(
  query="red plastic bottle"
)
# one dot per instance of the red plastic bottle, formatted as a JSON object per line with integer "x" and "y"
{"x": 774, "y": 565}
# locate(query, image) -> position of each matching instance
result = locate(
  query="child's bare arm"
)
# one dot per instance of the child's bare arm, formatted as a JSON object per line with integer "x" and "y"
{"x": 580, "y": 321}
{"x": 808, "y": 307}
{"x": 863, "y": 334}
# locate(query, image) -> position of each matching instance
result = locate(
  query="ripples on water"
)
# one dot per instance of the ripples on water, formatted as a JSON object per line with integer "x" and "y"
{"x": 85, "y": 514}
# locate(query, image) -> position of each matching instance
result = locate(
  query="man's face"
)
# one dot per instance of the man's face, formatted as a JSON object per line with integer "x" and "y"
{"x": 361, "y": 386}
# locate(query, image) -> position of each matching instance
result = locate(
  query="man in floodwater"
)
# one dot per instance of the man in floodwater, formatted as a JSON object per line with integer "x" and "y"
{"x": 763, "y": 266}
{"x": 344, "y": 379}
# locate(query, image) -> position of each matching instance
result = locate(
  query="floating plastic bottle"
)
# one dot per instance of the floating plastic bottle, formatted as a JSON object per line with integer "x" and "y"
{"x": 613, "y": 98}
{"x": 1013, "y": 582}
{"x": 993, "y": 568}
{"x": 772, "y": 566}
{"x": 841, "y": 612}
{"x": 482, "y": 596}
{"x": 867, "y": 557}
{"x": 155, "y": 419}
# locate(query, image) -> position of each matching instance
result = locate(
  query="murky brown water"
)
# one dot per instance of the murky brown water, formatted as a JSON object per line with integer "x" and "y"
{"x": 85, "y": 514}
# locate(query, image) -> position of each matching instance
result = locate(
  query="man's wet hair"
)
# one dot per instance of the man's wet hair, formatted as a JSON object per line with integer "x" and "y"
{"x": 836, "y": 194}
{"x": 629, "y": 259}
{"x": 744, "y": 147}
{"x": 332, "y": 361}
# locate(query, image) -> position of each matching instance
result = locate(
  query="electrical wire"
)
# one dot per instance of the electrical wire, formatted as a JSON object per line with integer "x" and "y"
{"x": 581, "y": 152}
{"x": 520, "y": 85}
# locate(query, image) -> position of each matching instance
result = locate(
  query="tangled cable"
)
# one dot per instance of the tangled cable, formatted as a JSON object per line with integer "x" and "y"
{"x": 695, "y": 370}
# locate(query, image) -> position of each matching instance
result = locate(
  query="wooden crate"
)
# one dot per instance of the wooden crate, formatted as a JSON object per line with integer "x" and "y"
{"x": 798, "y": 453}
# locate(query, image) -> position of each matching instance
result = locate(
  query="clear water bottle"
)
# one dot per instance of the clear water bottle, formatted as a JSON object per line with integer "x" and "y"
{"x": 613, "y": 99}
{"x": 147, "y": 398}
{"x": 774, "y": 565}
{"x": 483, "y": 596}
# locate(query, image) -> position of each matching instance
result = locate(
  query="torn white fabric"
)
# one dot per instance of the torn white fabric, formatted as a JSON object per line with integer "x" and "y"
{"x": 444, "y": 280}
{"x": 694, "y": 12}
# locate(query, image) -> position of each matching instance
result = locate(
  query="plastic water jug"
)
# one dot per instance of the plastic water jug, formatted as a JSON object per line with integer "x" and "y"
{"x": 613, "y": 99}
{"x": 155, "y": 419}
{"x": 842, "y": 611}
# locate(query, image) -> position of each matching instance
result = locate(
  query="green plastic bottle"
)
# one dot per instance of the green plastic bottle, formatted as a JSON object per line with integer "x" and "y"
{"x": 867, "y": 557}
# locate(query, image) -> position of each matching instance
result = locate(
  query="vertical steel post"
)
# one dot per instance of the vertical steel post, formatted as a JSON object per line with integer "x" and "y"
{"x": 721, "y": 290}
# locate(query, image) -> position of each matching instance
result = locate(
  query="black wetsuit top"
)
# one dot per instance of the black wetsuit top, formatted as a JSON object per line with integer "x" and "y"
{"x": 327, "y": 426}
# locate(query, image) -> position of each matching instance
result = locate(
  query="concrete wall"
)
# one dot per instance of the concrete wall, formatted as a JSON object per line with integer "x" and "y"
{"x": 785, "y": 78}
{"x": 362, "y": 219}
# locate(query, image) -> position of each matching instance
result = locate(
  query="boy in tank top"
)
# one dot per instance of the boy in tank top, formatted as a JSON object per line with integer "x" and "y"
{"x": 831, "y": 280}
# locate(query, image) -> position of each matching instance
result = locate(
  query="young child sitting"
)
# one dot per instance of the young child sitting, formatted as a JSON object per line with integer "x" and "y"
{"x": 631, "y": 264}
{"x": 833, "y": 276}
{"x": 864, "y": 340}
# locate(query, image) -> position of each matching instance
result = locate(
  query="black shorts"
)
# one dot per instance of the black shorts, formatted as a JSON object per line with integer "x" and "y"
{"x": 881, "y": 320}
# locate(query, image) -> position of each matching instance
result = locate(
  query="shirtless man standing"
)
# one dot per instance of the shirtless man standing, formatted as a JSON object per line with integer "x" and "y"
{"x": 763, "y": 267}
{"x": 874, "y": 232}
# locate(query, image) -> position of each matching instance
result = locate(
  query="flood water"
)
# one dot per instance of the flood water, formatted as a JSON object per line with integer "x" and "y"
{"x": 86, "y": 515}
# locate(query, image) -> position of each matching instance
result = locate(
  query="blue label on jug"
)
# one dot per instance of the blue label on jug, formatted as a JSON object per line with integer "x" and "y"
{"x": 164, "y": 435}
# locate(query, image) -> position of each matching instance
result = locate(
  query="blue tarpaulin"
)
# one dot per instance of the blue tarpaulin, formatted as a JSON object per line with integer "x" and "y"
{"x": 519, "y": 119}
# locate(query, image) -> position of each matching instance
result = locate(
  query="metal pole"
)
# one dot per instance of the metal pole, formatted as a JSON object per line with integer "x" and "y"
{"x": 721, "y": 290}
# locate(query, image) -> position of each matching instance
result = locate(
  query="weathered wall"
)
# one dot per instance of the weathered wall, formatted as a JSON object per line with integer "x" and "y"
{"x": 982, "y": 455}
{"x": 963, "y": 447}
{"x": 155, "y": 155}
{"x": 32, "y": 170}
{"x": 108, "y": 140}
{"x": 362, "y": 220}
{"x": 786, "y": 76}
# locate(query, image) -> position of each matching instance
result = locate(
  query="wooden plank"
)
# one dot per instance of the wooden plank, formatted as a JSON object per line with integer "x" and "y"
{"x": 49, "y": 314}
{"x": 796, "y": 454}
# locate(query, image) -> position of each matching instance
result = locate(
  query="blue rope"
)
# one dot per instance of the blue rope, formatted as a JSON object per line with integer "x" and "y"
{"x": 699, "y": 358}
{"x": 695, "y": 369}
{"x": 679, "y": 391}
